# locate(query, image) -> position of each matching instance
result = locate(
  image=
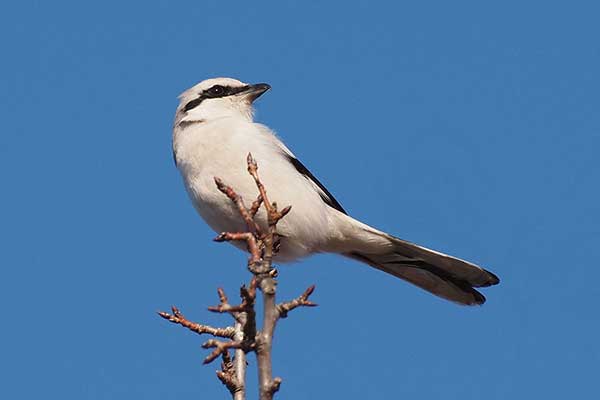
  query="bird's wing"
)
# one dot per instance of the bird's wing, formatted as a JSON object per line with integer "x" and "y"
{"x": 321, "y": 190}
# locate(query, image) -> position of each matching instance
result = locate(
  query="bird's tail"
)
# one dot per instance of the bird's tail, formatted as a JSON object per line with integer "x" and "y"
{"x": 443, "y": 275}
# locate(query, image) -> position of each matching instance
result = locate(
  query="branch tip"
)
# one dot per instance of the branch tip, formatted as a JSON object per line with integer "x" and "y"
{"x": 251, "y": 163}
{"x": 221, "y": 237}
{"x": 285, "y": 211}
{"x": 164, "y": 314}
{"x": 276, "y": 384}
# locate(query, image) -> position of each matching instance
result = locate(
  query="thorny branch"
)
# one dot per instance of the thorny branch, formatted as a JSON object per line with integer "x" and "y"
{"x": 244, "y": 336}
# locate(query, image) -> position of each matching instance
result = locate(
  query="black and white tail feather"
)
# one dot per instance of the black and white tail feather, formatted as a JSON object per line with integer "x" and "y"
{"x": 445, "y": 276}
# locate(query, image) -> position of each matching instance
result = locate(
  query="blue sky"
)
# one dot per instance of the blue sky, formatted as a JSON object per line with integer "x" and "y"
{"x": 470, "y": 128}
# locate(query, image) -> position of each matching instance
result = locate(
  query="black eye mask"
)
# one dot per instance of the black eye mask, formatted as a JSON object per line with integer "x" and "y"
{"x": 214, "y": 92}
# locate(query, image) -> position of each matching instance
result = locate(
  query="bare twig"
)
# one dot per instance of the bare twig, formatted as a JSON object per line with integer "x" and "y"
{"x": 219, "y": 348}
{"x": 255, "y": 206}
{"x": 178, "y": 318}
{"x": 273, "y": 216}
{"x": 246, "y": 214}
{"x": 233, "y": 374}
{"x": 248, "y": 296}
{"x": 228, "y": 376}
{"x": 244, "y": 336}
{"x": 251, "y": 241}
{"x": 300, "y": 301}
{"x": 264, "y": 339}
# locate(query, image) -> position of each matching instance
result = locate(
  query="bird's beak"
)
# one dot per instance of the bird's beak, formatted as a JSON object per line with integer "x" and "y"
{"x": 253, "y": 92}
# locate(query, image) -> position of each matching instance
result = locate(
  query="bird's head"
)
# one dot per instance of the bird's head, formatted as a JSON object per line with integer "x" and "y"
{"x": 218, "y": 98}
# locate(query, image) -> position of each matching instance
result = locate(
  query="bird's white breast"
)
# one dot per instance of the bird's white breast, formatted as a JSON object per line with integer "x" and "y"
{"x": 206, "y": 150}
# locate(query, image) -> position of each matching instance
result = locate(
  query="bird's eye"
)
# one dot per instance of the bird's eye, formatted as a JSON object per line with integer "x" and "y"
{"x": 217, "y": 90}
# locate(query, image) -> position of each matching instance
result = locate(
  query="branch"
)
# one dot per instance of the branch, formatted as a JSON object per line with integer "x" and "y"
{"x": 273, "y": 216}
{"x": 178, "y": 318}
{"x": 240, "y": 362}
{"x": 244, "y": 335}
{"x": 232, "y": 373}
{"x": 300, "y": 301}
{"x": 249, "y": 238}
{"x": 219, "y": 348}
{"x": 266, "y": 277}
{"x": 247, "y": 215}
{"x": 229, "y": 377}
{"x": 248, "y": 296}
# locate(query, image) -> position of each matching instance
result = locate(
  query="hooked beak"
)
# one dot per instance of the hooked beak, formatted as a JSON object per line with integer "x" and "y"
{"x": 253, "y": 92}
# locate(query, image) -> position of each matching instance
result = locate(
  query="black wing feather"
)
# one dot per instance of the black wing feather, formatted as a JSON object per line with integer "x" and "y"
{"x": 325, "y": 195}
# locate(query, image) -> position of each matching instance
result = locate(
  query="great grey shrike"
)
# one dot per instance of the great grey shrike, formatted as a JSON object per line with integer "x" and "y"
{"x": 212, "y": 135}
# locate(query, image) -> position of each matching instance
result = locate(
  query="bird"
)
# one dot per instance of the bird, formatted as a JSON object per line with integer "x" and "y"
{"x": 213, "y": 132}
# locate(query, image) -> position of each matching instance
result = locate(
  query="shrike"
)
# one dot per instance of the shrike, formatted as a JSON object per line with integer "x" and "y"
{"x": 212, "y": 134}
